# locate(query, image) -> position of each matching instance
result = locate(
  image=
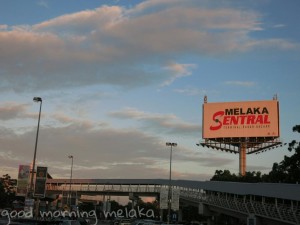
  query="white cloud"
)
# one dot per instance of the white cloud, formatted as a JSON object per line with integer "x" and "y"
{"x": 109, "y": 44}
{"x": 279, "y": 25}
{"x": 64, "y": 119}
{"x": 191, "y": 91}
{"x": 3, "y": 27}
{"x": 109, "y": 153}
{"x": 178, "y": 71}
{"x": 82, "y": 23}
{"x": 241, "y": 83}
{"x": 159, "y": 122}
{"x": 43, "y": 3}
{"x": 274, "y": 43}
{"x": 12, "y": 110}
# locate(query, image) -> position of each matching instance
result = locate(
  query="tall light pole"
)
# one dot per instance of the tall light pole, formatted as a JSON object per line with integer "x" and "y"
{"x": 70, "y": 200}
{"x": 35, "y": 99}
{"x": 170, "y": 179}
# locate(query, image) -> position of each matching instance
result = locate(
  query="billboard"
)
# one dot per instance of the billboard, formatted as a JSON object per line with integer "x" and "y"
{"x": 23, "y": 177}
{"x": 241, "y": 119}
{"x": 40, "y": 181}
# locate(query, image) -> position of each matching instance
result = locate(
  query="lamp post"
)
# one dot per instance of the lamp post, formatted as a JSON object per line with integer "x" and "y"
{"x": 35, "y": 99}
{"x": 70, "y": 200}
{"x": 170, "y": 179}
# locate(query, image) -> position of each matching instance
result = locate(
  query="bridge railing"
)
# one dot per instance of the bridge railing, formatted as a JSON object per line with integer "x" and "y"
{"x": 105, "y": 188}
{"x": 288, "y": 213}
{"x": 282, "y": 212}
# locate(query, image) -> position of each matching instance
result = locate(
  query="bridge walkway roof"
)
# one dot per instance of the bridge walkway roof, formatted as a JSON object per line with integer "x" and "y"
{"x": 272, "y": 190}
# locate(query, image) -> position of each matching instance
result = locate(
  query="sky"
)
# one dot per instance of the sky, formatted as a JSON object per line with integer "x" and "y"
{"x": 120, "y": 78}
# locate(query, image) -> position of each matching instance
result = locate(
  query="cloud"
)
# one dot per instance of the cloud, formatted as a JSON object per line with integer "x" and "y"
{"x": 103, "y": 152}
{"x": 179, "y": 70}
{"x": 109, "y": 153}
{"x": 64, "y": 119}
{"x": 241, "y": 83}
{"x": 158, "y": 122}
{"x": 279, "y": 25}
{"x": 125, "y": 47}
{"x": 97, "y": 147}
{"x": 191, "y": 91}
{"x": 7, "y": 156}
{"x": 82, "y": 23}
{"x": 3, "y": 27}
{"x": 263, "y": 169}
{"x": 12, "y": 110}
{"x": 43, "y": 4}
{"x": 277, "y": 44}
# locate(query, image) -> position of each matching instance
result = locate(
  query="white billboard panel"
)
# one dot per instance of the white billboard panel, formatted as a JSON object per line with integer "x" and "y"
{"x": 241, "y": 119}
{"x": 23, "y": 179}
{"x": 40, "y": 181}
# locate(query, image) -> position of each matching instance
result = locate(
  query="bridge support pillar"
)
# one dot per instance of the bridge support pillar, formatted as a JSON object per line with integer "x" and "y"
{"x": 210, "y": 221}
{"x": 161, "y": 214}
{"x": 242, "y": 152}
{"x": 179, "y": 215}
{"x": 253, "y": 220}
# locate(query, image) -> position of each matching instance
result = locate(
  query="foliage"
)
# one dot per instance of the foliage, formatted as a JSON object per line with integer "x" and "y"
{"x": 287, "y": 171}
{"x": 250, "y": 177}
{"x": 86, "y": 206}
{"x": 7, "y": 192}
{"x": 224, "y": 176}
{"x": 2, "y": 196}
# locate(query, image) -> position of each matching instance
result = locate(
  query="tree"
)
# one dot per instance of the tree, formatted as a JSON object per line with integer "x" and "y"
{"x": 275, "y": 175}
{"x": 288, "y": 170}
{"x": 250, "y": 177}
{"x": 224, "y": 176}
{"x": 7, "y": 191}
{"x": 3, "y": 196}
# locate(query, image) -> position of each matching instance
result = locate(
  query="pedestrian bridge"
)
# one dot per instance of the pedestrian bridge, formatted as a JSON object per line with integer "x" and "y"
{"x": 265, "y": 201}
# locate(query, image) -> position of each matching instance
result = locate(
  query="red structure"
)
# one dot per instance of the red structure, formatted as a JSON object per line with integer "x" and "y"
{"x": 241, "y": 127}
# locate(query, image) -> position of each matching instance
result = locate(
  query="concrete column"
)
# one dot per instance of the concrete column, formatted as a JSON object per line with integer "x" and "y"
{"x": 179, "y": 215}
{"x": 37, "y": 208}
{"x": 210, "y": 221}
{"x": 161, "y": 214}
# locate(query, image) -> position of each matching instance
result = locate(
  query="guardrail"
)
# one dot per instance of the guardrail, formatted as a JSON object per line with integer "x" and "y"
{"x": 106, "y": 188}
{"x": 287, "y": 213}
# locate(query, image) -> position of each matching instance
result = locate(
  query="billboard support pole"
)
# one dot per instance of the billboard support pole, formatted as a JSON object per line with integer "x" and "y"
{"x": 242, "y": 157}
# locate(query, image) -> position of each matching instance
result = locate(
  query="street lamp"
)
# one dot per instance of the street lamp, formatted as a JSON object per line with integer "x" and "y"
{"x": 35, "y": 99}
{"x": 170, "y": 178}
{"x": 70, "y": 157}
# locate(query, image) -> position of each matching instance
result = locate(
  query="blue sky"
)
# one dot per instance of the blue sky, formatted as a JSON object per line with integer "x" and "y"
{"x": 119, "y": 79}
